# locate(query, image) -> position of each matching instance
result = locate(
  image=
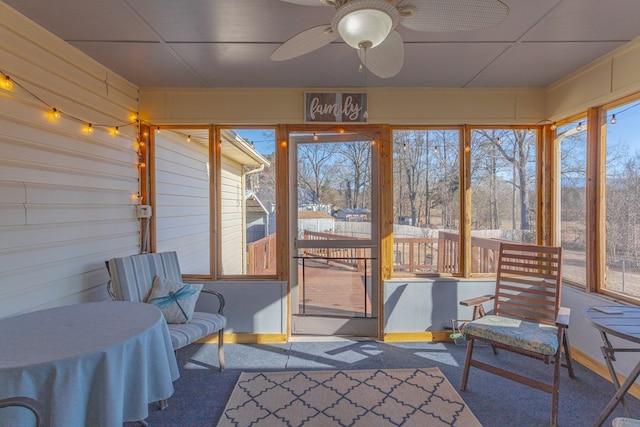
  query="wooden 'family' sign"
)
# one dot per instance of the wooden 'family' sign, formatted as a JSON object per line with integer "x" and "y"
{"x": 335, "y": 107}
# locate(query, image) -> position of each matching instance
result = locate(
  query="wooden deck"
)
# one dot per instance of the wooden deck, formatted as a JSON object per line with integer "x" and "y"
{"x": 327, "y": 287}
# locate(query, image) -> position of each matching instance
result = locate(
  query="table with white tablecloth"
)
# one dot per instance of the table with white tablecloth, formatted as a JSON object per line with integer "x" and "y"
{"x": 92, "y": 364}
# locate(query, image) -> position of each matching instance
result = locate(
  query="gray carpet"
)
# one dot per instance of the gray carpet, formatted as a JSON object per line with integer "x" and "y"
{"x": 202, "y": 391}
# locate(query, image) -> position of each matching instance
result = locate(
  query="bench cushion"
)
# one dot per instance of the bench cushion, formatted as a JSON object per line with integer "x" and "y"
{"x": 201, "y": 325}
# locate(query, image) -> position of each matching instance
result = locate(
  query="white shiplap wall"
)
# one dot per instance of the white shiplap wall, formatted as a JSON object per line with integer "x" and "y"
{"x": 181, "y": 204}
{"x": 232, "y": 241}
{"x": 66, "y": 196}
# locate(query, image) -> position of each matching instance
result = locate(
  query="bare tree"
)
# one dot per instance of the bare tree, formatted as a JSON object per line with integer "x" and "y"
{"x": 316, "y": 165}
{"x": 355, "y": 165}
{"x": 516, "y": 149}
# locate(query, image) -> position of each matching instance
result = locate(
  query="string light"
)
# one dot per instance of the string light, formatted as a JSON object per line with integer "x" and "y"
{"x": 613, "y": 120}
{"x": 579, "y": 127}
{"x": 315, "y": 136}
{"x": 554, "y": 126}
{"x": 404, "y": 146}
{"x": 435, "y": 150}
{"x": 7, "y": 83}
{"x": 188, "y": 138}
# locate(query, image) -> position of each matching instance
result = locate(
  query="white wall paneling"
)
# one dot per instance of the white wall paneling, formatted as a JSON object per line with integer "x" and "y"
{"x": 66, "y": 196}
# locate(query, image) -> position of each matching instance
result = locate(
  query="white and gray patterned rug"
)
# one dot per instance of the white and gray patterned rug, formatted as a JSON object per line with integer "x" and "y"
{"x": 373, "y": 397}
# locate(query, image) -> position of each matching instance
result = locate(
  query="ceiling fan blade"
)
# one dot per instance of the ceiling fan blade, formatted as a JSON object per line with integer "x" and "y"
{"x": 454, "y": 15}
{"x": 307, "y": 2}
{"x": 305, "y": 42}
{"x": 386, "y": 59}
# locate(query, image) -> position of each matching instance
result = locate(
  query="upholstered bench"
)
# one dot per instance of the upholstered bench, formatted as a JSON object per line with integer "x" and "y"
{"x": 132, "y": 279}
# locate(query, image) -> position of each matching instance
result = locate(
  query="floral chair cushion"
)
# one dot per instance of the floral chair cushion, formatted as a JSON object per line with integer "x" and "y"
{"x": 536, "y": 337}
{"x": 625, "y": 422}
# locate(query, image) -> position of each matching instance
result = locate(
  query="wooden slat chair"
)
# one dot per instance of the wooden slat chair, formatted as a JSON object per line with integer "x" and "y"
{"x": 132, "y": 278}
{"x": 526, "y": 318}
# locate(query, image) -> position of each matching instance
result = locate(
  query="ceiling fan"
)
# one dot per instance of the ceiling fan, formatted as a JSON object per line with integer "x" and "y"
{"x": 369, "y": 26}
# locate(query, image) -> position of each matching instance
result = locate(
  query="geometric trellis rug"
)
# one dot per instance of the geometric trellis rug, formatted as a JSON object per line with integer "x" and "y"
{"x": 371, "y": 397}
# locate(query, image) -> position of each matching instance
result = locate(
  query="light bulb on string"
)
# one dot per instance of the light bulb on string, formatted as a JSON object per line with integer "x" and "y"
{"x": 553, "y": 126}
{"x": 315, "y": 136}
{"x": 579, "y": 127}
{"x": 435, "y": 150}
{"x": 55, "y": 113}
{"x": 7, "y": 83}
{"x": 613, "y": 120}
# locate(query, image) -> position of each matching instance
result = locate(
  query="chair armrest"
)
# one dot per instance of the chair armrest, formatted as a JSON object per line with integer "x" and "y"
{"x": 477, "y": 300}
{"x": 562, "y": 320}
{"x": 220, "y": 298}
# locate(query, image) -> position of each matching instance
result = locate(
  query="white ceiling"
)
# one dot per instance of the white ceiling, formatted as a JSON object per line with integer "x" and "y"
{"x": 228, "y": 43}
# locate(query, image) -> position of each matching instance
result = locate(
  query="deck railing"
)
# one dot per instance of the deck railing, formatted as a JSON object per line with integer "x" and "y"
{"x": 347, "y": 256}
{"x": 411, "y": 254}
{"x": 442, "y": 254}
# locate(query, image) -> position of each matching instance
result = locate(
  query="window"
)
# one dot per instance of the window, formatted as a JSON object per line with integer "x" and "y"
{"x": 622, "y": 198}
{"x": 247, "y": 200}
{"x": 426, "y": 177}
{"x": 183, "y": 172}
{"x": 571, "y": 143}
{"x": 503, "y": 191}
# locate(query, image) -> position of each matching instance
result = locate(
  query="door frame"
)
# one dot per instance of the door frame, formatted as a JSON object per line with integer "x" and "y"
{"x": 380, "y": 150}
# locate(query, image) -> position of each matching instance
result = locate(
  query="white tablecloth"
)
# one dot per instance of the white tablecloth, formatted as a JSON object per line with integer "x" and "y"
{"x": 93, "y": 364}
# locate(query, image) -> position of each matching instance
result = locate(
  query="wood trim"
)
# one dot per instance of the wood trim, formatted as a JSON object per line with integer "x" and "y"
{"x": 244, "y": 338}
{"x": 144, "y": 142}
{"x": 465, "y": 203}
{"x": 385, "y": 235}
{"x": 546, "y": 187}
{"x": 428, "y": 336}
{"x": 595, "y": 202}
{"x": 601, "y": 369}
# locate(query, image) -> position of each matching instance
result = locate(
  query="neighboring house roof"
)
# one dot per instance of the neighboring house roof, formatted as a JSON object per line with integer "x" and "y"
{"x": 253, "y": 203}
{"x": 313, "y": 215}
{"x": 349, "y": 211}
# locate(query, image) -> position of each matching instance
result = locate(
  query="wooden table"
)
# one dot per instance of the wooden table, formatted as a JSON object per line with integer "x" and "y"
{"x": 622, "y": 322}
{"x": 93, "y": 364}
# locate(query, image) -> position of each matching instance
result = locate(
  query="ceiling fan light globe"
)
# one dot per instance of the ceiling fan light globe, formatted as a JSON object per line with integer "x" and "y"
{"x": 365, "y": 27}
{"x": 365, "y": 22}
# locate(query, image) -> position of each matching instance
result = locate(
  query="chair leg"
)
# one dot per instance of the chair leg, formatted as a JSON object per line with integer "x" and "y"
{"x": 221, "y": 349}
{"x": 567, "y": 353}
{"x": 556, "y": 387}
{"x": 467, "y": 364}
